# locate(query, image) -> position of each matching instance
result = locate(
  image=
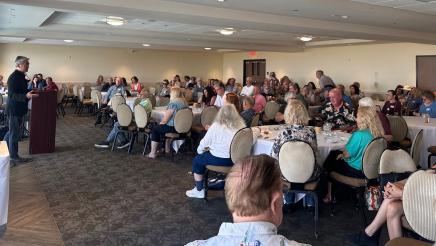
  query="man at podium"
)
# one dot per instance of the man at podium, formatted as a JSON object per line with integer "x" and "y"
{"x": 16, "y": 108}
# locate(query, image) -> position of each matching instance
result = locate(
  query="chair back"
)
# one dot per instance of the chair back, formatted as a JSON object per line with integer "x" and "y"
{"x": 396, "y": 161}
{"x": 271, "y": 109}
{"x": 188, "y": 95}
{"x": 241, "y": 144}
{"x": 96, "y": 97}
{"x": 1, "y": 100}
{"x": 152, "y": 100}
{"x": 419, "y": 203}
{"x": 59, "y": 95}
{"x": 371, "y": 157}
{"x": 255, "y": 120}
{"x": 141, "y": 117}
{"x": 137, "y": 101}
{"x": 87, "y": 91}
{"x": 81, "y": 96}
{"x": 117, "y": 100}
{"x": 398, "y": 127}
{"x": 163, "y": 101}
{"x": 75, "y": 92}
{"x": 152, "y": 91}
{"x": 296, "y": 161}
{"x": 183, "y": 120}
{"x": 416, "y": 147}
{"x": 65, "y": 87}
{"x": 208, "y": 115}
{"x": 124, "y": 115}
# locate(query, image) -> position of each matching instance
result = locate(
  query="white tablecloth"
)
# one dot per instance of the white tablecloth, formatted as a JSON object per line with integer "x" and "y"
{"x": 4, "y": 185}
{"x": 131, "y": 102}
{"x": 158, "y": 113}
{"x": 263, "y": 144}
{"x": 415, "y": 124}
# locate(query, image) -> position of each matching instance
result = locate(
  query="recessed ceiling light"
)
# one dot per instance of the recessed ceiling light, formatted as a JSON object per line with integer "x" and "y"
{"x": 306, "y": 38}
{"x": 145, "y": 45}
{"x": 340, "y": 16}
{"x": 207, "y": 48}
{"x": 115, "y": 20}
{"x": 68, "y": 40}
{"x": 221, "y": 1}
{"x": 227, "y": 31}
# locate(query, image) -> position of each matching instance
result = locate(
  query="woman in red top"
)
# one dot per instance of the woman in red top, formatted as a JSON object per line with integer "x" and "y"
{"x": 392, "y": 105}
{"x": 51, "y": 86}
{"x": 135, "y": 86}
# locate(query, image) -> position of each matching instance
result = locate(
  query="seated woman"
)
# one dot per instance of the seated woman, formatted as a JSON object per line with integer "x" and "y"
{"x": 392, "y": 105}
{"x": 354, "y": 96}
{"x": 349, "y": 161}
{"x": 296, "y": 118}
{"x": 414, "y": 101}
{"x": 209, "y": 96}
{"x": 135, "y": 86}
{"x": 214, "y": 148}
{"x": 34, "y": 84}
{"x": 166, "y": 125}
{"x": 428, "y": 105}
{"x": 232, "y": 98}
{"x": 390, "y": 212}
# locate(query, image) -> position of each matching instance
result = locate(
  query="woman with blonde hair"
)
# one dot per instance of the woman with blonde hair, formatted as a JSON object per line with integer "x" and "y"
{"x": 214, "y": 148}
{"x": 166, "y": 125}
{"x": 349, "y": 161}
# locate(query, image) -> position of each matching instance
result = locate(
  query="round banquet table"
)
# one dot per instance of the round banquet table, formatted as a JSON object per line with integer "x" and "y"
{"x": 4, "y": 186}
{"x": 264, "y": 142}
{"x": 414, "y": 125}
{"x": 158, "y": 113}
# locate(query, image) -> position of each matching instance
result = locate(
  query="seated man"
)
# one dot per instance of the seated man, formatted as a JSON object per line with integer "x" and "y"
{"x": 337, "y": 112}
{"x": 248, "y": 112}
{"x": 114, "y": 89}
{"x": 122, "y": 139}
{"x": 254, "y": 196}
{"x": 259, "y": 100}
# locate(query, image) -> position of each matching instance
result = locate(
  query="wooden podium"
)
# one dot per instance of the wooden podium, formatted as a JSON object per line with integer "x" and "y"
{"x": 43, "y": 122}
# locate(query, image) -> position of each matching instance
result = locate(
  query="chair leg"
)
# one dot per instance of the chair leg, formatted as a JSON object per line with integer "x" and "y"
{"x": 315, "y": 199}
{"x": 132, "y": 140}
{"x": 146, "y": 138}
{"x": 172, "y": 150}
{"x": 361, "y": 201}
{"x": 206, "y": 185}
{"x": 115, "y": 140}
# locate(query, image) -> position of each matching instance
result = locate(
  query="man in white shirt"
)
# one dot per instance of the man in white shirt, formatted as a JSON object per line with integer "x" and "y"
{"x": 247, "y": 90}
{"x": 220, "y": 94}
{"x": 256, "y": 215}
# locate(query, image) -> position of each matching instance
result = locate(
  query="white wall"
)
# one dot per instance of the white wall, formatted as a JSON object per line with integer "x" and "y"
{"x": 84, "y": 64}
{"x": 377, "y": 67}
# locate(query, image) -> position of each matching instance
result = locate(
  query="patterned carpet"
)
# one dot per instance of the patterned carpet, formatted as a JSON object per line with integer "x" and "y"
{"x": 100, "y": 197}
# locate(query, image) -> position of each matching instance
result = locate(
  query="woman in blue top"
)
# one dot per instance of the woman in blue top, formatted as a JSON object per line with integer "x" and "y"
{"x": 428, "y": 105}
{"x": 349, "y": 161}
{"x": 166, "y": 125}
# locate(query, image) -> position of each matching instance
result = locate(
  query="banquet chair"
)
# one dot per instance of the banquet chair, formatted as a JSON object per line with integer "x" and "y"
{"x": 86, "y": 91}
{"x": 96, "y": 99}
{"x": 416, "y": 147}
{"x": 370, "y": 168}
{"x": 124, "y": 117}
{"x": 240, "y": 147}
{"x": 396, "y": 161}
{"x": 399, "y": 131}
{"x": 255, "y": 120}
{"x": 116, "y": 101}
{"x": 188, "y": 95}
{"x": 271, "y": 109}
{"x": 297, "y": 164}
{"x": 68, "y": 94}
{"x": 419, "y": 206}
{"x": 60, "y": 98}
{"x": 182, "y": 123}
{"x": 432, "y": 151}
{"x": 141, "y": 120}
{"x": 152, "y": 91}
{"x": 206, "y": 118}
{"x": 163, "y": 101}
{"x": 83, "y": 102}
{"x": 75, "y": 96}
{"x": 152, "y": 100}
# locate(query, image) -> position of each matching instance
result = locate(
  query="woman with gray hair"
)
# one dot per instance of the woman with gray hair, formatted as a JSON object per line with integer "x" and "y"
{"x": 214, "y": 148}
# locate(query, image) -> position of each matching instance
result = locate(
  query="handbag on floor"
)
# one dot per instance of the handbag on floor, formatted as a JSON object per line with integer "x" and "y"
{"x": 373, "y": 197}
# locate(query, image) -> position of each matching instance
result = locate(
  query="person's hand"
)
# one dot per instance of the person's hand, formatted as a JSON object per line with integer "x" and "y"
{"x": 393, "y": 191}
{"x": 207, "y": 127}
{"x": 30, "y": 95}
{"x": 340, "y": 156}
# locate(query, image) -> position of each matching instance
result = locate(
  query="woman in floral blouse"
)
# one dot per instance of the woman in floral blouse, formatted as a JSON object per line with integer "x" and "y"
{"x": 296, "y": 118}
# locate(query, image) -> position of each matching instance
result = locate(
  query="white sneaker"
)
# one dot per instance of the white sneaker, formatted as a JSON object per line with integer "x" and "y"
{"x": 194, "y": 193}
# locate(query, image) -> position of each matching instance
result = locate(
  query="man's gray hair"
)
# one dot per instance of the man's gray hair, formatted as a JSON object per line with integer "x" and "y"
{"x": 21, "y": 60}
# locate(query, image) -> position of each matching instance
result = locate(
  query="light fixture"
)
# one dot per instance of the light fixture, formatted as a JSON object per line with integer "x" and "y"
{"x": 227, "y": 31}
{"x": 221, "y": 1}
{"x": 306, "y": 38}
{"x": 68, "y": 40}
{"x": 115, "y": 20}
{"x": 145, "y": 45}
{"x": 340, "y": 16}
{"x": 207, "y": 48}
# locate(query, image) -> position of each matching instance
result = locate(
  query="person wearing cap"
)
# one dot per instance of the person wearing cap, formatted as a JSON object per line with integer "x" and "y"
{"x": 368, "y": 102}
{"x": 18, "y": 98}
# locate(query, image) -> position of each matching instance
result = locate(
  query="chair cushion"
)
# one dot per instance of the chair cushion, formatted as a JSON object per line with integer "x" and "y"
{"x": 132, "y": 128}
{"x": 146, "y": 130}
{"x": 432, "y": 149}
{"x": 177, "y": 135}
{"x": 198, "y": 129}
{"x": 354, "y": 182}
{"x": 87, "y": 101}
{"x": 220, "y": 169}
{"x": 404, "y": 241}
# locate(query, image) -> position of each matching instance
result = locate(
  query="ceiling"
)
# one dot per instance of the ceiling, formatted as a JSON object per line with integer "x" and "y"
{"x": 273, "y": 25}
